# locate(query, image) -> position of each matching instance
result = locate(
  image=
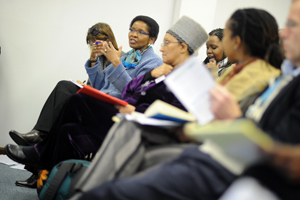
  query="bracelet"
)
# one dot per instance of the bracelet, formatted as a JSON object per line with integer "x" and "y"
{"x": 93, "y": 61}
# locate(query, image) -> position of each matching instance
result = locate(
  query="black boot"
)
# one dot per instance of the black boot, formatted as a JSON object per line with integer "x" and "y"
{"x": 27, "y": 139}
{"x": 31, "y": 182}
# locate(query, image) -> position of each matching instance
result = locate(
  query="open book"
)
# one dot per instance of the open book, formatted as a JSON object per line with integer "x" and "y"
{"x": 239, "y": 141}
{"x": 88, "y": 90}
{"x": 191, "y": 83}
{"x": 165, "y": 111}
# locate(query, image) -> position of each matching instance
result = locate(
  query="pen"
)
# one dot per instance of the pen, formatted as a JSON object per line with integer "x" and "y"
{"x": 97, "y": 42}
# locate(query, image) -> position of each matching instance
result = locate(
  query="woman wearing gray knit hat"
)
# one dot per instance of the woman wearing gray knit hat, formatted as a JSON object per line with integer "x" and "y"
{"x": 180, "y": 41}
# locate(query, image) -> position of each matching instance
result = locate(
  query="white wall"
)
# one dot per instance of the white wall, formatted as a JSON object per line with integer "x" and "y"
{"x": 214, "y": 13}
{"x": 43, "y": 42}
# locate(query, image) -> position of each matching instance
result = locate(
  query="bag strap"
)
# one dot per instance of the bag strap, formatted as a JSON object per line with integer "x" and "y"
{"x": 57, "y": 180}
{"x": 78, "y": 171}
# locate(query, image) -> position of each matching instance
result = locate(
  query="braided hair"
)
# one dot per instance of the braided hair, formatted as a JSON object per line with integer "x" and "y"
{"x": 217, "y": 32}
{"x": 258, "y": 30}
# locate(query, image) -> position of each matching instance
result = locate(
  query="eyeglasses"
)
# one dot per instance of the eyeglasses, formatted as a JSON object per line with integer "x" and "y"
{"x": 132, "y": 30}
{"x": 291, "y": 24}
{"x": 166, "y": 43}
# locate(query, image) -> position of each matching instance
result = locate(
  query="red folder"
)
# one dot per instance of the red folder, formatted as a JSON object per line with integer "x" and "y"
{"x": 88, "y": 90}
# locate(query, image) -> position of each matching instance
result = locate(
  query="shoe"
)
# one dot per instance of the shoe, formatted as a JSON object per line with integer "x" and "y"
{"x": 31, "y": 182}
{"x": 26, "y": 139}
{"x": 16, "y": 153}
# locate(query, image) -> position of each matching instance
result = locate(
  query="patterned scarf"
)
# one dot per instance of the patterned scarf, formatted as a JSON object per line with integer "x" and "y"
{"x": 133, "y": 57}
{"x": 223, "y": 65}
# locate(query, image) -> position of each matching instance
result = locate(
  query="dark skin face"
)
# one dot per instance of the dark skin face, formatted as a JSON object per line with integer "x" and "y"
{"x": 214, "y": 49}
{"x": 140, "y": 41}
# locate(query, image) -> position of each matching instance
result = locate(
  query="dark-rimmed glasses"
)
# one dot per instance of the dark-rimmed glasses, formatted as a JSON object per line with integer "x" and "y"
{"x": 132, "y": 30}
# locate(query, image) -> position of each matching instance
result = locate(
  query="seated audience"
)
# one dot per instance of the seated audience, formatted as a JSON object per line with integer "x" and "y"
{"x": 82, "y": 125}
{"x": 109, "y": 74}
{"x": 106, "y": 70}
{"x": 216, "y": 60}
{"x": 195, "y": 174}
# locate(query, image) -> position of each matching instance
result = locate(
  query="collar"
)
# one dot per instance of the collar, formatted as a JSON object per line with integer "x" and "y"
{"x": 288, "y": 68}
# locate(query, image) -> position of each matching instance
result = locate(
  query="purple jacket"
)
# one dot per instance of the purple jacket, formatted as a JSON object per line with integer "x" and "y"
{"x": 142, "y": 94}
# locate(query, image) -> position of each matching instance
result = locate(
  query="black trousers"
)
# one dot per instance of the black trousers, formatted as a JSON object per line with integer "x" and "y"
{"x": 54, "y": 104}
{"x": 79, "y": 130}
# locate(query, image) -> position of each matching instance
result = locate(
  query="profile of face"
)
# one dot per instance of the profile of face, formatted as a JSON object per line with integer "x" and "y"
{"x": 139, "y": 36}
{"x": 228, "y": 43}
{"x": 170, "y": 49}
{"x": 291, "y": 34}
{"x": 214, "y": 48}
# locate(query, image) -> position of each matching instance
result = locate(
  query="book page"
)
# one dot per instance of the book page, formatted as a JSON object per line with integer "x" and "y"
{"x": 143, "y": 120}
{"x": 191, "y": 83}
{"x": 75, "y": 82}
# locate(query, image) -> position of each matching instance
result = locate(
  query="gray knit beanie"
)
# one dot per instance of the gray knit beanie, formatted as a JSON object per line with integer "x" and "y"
{"x": 188, "y": 31}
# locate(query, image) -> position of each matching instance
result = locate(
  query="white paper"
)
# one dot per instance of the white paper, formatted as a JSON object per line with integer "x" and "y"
{"x": 18, "y": 166}
{"x": 143, "y": 120}
{"x": 6, "y": 160}
{"x": 191, "y": 83}
{"x": 75, "y": 82}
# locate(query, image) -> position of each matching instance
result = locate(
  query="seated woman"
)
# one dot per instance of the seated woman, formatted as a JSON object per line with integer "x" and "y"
{"x": 107, "y": 71}
{"x": 216, "y": 60}
{"x": 82, "y": 125}
{"x": 113, "y": 79}
{"x": 195, "y": 174}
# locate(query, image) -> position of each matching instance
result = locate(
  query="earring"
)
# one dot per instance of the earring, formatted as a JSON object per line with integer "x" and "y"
{"x": 148, "y": 44}
{"x": 235, "y": 48}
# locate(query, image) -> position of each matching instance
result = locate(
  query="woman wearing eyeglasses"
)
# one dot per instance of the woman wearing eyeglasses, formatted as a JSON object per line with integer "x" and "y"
{"x": 106, "y": 70}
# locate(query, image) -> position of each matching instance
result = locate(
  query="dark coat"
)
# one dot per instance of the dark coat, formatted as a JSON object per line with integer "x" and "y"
{"x": 281, "y": 119}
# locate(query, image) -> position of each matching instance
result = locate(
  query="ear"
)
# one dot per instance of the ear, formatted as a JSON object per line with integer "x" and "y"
{"x": 151, "y": 40}
{"x": 184, "y": 48}
{"x": 237, "y": 41}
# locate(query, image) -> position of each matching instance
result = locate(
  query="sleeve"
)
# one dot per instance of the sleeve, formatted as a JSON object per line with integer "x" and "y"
{"x": 131, "y": 90}
{"x": 96, "y": 76}
{"x": 119, "y": 77}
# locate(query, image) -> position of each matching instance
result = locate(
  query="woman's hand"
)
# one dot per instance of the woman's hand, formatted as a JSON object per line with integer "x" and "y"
{"x": 223, "y": 105}
{"x": 128, "y": 109}
{"x": 97, "y": 49}
{"x": 161, "y": 70}
{"x": 212, "y": 63}
{"x": 111, "y": 53}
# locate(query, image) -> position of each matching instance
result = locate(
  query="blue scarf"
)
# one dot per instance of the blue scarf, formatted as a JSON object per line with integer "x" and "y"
{"x": 132, "y": 58}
